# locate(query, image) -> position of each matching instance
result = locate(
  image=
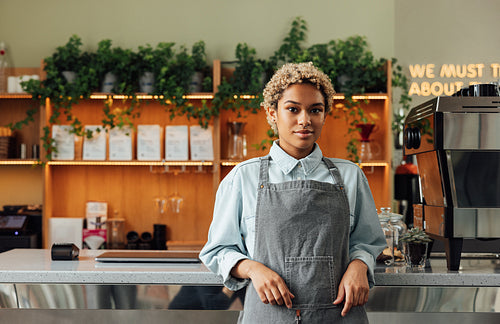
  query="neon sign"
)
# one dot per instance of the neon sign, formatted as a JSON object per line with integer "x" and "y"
{"x": 421, "y": 72}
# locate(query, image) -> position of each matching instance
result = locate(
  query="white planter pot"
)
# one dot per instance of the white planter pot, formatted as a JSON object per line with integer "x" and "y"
{"x": 196, "y": 82}
{"x": 147, "y": 82}
{"x": 109, "y": 82}
{"x": 70, "y": 76}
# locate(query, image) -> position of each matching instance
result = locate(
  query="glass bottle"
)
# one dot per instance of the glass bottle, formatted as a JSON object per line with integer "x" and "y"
{"x": 389, "y": 238}
{"x": 399, "y": 228}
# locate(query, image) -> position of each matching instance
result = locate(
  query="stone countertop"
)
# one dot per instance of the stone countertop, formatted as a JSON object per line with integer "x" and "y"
{"x": 35, "y": 266}
{"x": 473, "y": 272}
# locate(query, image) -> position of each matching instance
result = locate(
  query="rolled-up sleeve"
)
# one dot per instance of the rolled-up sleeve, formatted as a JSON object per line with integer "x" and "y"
{"x": 225, "y": 245}
{"x": 367, "y": 240}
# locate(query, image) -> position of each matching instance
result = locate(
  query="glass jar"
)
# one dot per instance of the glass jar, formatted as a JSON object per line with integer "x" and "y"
{"x": 385, "y": 212}
{"x": 236, "y": 141}
{"x": 399, "y": 228}
{"x": 116, "y": 233}
{"x": 388, "y": 230}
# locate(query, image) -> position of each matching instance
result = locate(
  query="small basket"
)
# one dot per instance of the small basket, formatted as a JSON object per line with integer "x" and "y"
{"x": 7, "y": 147}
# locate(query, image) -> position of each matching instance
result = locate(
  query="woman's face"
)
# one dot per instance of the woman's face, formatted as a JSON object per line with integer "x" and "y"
{"x": 299, "y": 117}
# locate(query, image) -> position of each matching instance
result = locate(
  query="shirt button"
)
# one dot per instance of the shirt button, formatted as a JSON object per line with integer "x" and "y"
{"x": 299, "y": 178}
{"x": 300, "y": 165}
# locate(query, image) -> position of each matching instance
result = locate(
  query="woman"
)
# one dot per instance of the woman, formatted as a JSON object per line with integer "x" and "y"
{"x": 303, "y": 229}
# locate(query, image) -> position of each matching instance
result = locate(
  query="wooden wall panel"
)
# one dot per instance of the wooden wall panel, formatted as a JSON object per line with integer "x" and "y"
{"x": 131, "y": 190}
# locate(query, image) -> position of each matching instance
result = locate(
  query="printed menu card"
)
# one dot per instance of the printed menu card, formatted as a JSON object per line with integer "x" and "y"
{"x": 201, "y": 143}
{"x": 176, "y": 143}
{"x": 148, "y": 142}
{"x": 94, "y": 148}
{"x": 120, "y": 143}
{"x": 64, "y": 143}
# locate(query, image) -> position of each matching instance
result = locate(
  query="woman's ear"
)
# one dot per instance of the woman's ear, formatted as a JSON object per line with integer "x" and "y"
{"x": 272, "y": 113}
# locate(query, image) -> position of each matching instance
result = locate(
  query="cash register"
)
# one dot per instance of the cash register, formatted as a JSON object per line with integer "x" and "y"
{"x": 20, "y": 227}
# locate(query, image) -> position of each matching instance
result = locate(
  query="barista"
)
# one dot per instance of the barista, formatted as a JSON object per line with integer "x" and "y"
{"x": 301, "y": 230}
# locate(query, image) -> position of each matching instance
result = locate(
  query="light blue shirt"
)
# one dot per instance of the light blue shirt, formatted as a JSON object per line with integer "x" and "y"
{"x": 232, "y": 233}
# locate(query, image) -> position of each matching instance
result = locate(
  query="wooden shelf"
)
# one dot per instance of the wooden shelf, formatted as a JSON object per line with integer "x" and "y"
{"x": 130, "y": 187}
{"x": 131, "y": 163}
{"x": 5, "y": 95}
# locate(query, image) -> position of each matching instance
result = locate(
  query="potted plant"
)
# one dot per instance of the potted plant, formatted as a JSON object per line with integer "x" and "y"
{"x": 112, "y": 66}
{"x": 243, "y": 89}
{"x": 150, "y": 62}
{"x": 399, "y": 80}
{"x": 416, "y": 243}
{"x": 200, "y": 81}
{"x": 67, "y": 58}
{"x": 61, "y": 90}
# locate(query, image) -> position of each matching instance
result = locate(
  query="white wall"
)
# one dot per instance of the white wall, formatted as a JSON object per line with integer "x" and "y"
{"x": 447, "y": 32}
{"x": 32, "y": 28}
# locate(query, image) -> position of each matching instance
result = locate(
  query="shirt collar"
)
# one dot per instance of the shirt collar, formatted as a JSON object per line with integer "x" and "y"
{"x": 287, "y": 163}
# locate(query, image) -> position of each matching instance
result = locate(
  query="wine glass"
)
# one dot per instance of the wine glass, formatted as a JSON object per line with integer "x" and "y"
{"x": 175, "y": 200}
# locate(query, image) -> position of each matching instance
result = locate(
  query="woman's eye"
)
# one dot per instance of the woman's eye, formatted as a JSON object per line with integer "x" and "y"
{"x": 316, "y": 110}
{"x": 292, "y": 109}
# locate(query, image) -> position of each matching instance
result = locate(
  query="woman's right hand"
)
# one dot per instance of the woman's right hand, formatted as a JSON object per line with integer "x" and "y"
{"x": 270, "y": 287}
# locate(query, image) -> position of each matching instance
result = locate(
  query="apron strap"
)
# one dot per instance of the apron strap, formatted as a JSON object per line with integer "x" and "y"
{"x": 264, "y": 171}
{"x": 334, "y": 172}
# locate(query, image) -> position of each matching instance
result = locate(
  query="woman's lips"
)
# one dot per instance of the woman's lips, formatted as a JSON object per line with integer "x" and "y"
{"x": 304, "y": 133}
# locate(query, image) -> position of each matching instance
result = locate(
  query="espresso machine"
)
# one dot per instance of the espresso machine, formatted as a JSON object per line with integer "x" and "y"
{"x": 456, "y": 143}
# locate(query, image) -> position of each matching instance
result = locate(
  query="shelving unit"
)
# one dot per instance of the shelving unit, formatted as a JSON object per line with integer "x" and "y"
{"x": 130, "y": 187}
{"x": 21, "y": 180}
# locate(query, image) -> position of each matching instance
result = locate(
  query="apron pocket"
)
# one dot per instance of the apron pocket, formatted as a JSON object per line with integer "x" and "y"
{"x": 312, "y": 281}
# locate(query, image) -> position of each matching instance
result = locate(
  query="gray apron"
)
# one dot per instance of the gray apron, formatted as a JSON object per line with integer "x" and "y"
{"x": 302, "y": 233}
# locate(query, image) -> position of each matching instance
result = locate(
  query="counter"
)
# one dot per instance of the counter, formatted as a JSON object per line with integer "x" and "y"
{"x": 30, "y": 279}
{"x": 36, "y": 266}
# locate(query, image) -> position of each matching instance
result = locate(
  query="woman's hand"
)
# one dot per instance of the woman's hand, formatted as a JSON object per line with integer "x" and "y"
{"x": 270, "y": 287}
{"x": 353, "y": 287}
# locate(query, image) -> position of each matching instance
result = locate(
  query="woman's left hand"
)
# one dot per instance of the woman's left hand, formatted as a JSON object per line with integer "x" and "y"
{"x": 353, "y": 287}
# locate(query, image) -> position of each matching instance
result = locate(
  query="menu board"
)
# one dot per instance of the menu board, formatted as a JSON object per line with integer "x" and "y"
{"x": 64, "y": 143}
{"x": 148, "y": 142}
{"x": 201, "y": 143}
{"x": 120, "y": 143}
{"x": 94, "y": 148}
{"x": 176, "y": 143}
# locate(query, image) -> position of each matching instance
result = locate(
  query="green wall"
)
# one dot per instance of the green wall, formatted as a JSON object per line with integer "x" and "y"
{"x": 32, "y": 29}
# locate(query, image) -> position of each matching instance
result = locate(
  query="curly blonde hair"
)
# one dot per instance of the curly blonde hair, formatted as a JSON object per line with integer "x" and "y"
{"x": 293, "y": 73}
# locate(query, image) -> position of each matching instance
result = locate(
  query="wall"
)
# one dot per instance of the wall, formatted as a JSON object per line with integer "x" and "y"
{"x": 443, "y": 32}
{"x": 447, "y": 32}
{"x": 32, "y": 29}
{"x": 423, "y": 32}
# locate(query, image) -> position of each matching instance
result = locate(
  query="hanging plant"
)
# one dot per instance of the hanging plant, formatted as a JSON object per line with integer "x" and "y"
{"x": 63, "y": 92}
{"x": 242, "y": 91}
{"x": 353, "y": 69}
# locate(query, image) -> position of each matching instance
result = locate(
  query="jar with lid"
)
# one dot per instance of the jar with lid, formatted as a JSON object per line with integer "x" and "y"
{"x": 399, "y": 229}
{"x": 385, "y": 212}
{"x": 388, "y": 230}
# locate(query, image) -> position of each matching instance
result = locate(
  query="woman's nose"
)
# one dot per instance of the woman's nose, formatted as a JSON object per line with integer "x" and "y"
{"x": 304, "y": 119}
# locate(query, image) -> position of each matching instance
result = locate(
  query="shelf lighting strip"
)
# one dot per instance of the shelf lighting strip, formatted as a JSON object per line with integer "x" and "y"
{"x": 19, "y": 162}
{"x": 364, "y": 164}
{"x": 363, "y": 97}
{"x": 199, "y": 96}
{"x": 132, "y": 163}
{"x": 15, "y": 96}
{"x": 374, "y": 164}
